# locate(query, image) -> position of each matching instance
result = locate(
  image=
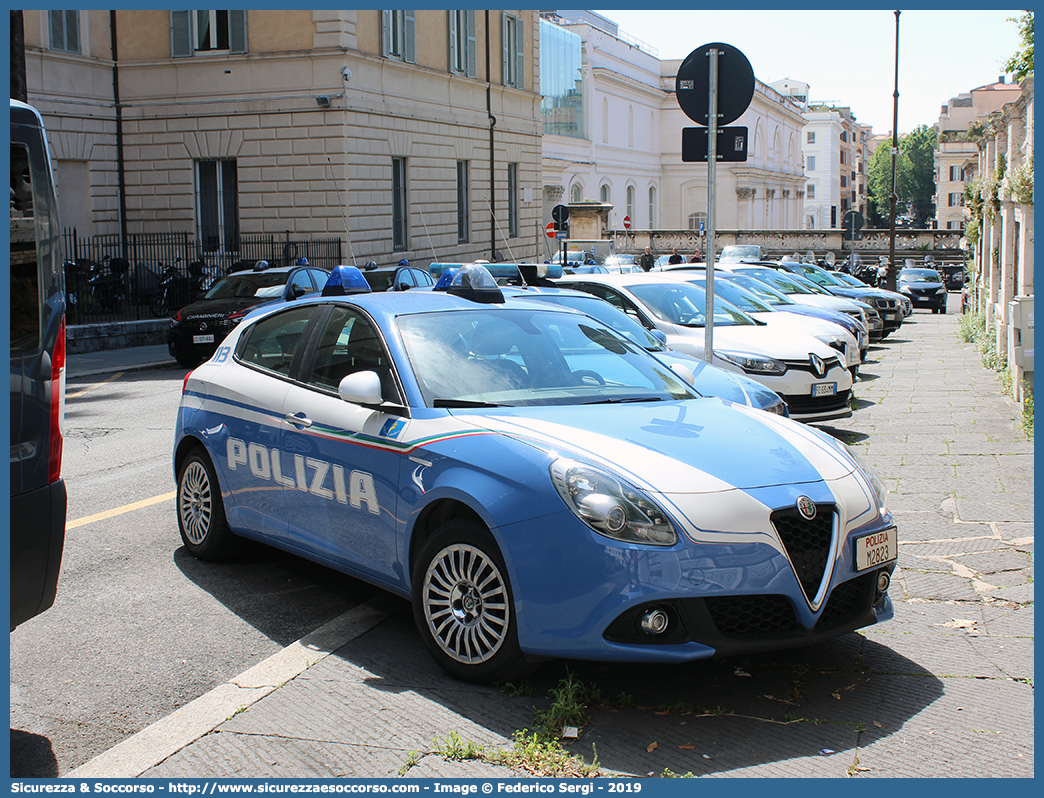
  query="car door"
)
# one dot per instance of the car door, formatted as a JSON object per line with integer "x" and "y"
{"x": 340, "y": 461}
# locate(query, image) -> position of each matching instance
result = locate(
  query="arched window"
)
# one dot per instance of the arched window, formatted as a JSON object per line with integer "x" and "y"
{"x": 810, "y": 222}
{"x": 576, "y": 193}
{"x": 652, "y": 207}
{"x": 630, "y": 201}
{"x": 604, "y": 193}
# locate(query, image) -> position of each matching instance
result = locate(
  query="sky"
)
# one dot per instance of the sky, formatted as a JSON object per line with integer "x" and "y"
{"x": 848, "y": 57}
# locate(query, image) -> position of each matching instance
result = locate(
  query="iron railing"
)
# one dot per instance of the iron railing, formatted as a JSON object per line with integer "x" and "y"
{"x": 109, "y": 279}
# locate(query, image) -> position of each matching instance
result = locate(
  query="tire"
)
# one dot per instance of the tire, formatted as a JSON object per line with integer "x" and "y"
{"x": 201, "y": 513}
{"x": 160, "y": 305}
{"x": 188, "y": 361}
{"x": 463, "y": 606}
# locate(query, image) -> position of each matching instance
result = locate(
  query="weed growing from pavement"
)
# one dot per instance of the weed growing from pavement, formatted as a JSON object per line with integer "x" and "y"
{"x": 973, "y": 331}
{"x": 670, "y": 774}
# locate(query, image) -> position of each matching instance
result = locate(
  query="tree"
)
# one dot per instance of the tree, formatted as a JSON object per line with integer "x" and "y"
{"x": 919, "y": 147}
{"x": 1022, "y": 62}
{"x": 880, "y": 178}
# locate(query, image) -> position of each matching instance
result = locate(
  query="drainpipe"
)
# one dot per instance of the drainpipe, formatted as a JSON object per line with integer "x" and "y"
{"x": 492, "y": 124}
{"x": 120, "y": 174}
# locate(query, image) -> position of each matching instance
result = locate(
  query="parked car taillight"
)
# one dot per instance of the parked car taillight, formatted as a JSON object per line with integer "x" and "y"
{"x": 54, "y": 455}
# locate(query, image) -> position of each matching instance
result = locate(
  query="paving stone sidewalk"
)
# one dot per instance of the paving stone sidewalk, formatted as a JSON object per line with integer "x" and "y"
{"x": 943, "y": 690}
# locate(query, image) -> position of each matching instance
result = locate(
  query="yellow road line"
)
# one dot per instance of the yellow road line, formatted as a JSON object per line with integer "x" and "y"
{"x": 92, "y": 387}
{"x": 90, "y": 519}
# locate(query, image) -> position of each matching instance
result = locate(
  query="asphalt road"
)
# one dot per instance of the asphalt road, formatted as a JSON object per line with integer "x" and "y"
{"x": 139, "y": 627}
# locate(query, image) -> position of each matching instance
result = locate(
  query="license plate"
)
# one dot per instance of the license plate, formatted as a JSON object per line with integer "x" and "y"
{"x": 824, "y": 389}
{"x": 202, "y": 339}
{"x": 876, "y": 549}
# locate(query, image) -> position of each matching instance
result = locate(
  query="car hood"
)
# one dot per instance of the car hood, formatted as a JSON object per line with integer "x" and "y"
{"x": 688, "y": 447}
{"x": 220, "y": 308}
{"x": 779, "y": 342}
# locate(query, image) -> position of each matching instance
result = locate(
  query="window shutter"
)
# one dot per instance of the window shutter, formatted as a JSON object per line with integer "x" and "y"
{"x": 72, "y": 31}
{"x": 385, "y": 32}
{"x": 472, "y": 49}
{"x": 57, "y": 30}
{"x": 410, "y": 56}
{"x": 452, "y": 40}
{"x": 237, "y": 32}
{"x": 520, "y": 54}
{"x": 180, "y": 34}
{"x": 504, "y": 48}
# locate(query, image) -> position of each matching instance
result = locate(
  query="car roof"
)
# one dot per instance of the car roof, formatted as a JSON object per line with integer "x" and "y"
{"x": 269, "y": 270}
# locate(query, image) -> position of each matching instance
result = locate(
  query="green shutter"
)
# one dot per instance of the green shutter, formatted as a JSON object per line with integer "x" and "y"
{"x": 410, "y": 49}
{"x": 237, "y": 32}
{"x": 180, "y": 34}
{"x": 385, "y": 33}
{"x": 472, "y": 45}
{"x": 520, "y": 54}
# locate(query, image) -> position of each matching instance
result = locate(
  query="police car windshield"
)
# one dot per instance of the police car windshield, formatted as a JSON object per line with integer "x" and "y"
{"x": 245, "y": 285}
{"x": 498, "y": 357}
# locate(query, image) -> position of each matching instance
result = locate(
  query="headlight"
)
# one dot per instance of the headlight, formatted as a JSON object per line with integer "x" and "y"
{"x": 905, "y": 289}
{"x": 611, "y": 506}
{"x": 870, "y": 475}
{"x": 753, "y": 364}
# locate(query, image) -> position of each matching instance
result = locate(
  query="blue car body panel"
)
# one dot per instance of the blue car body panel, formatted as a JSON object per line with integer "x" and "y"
{"x": 350, "y": 490}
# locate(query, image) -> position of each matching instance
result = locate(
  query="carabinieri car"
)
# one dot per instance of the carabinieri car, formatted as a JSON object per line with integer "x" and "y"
{"x": 536, "y": 484}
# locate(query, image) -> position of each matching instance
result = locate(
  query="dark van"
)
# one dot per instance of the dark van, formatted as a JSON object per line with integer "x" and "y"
{"x": 37, "y": 292}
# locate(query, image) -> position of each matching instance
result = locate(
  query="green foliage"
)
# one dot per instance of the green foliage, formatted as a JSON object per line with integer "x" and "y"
{"x": 1027, "y": 411}
{"x": 1020, "y": 182}
{"x": 919, "y": 148}
{"x": 569, "y": 705}
{"x": 1021, "y": 63}
{"x": 879, "y": 174}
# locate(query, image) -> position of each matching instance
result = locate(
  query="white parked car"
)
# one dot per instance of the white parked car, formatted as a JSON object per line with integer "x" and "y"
{"x": 811, "y": 376}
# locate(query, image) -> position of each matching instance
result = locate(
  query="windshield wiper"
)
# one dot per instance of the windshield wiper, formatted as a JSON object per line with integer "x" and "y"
{"x": 463, "y": 403}
{"x": 624, "y": 400}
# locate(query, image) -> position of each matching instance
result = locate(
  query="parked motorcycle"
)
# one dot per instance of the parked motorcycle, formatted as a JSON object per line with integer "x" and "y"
{"x": 108, "y": 284}
{"x": 176, "y": 289}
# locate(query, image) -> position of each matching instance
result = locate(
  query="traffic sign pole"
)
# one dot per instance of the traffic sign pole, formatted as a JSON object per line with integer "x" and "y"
{"x": 712, "y": 168}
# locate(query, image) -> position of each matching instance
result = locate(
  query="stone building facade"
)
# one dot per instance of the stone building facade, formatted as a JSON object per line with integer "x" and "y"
{"x": 314, "y": 122}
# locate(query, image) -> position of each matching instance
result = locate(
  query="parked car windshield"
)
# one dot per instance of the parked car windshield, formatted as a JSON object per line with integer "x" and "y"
{"x": 920, "y": 276}
{"x": 510, "y": 358}
{"x": 684, "y": 304}
{"x": 248, "y": 284}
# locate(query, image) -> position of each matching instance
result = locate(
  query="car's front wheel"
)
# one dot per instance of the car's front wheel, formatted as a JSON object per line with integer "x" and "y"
{"x": 463, "y": 607}
{"x": 201, "y": 513}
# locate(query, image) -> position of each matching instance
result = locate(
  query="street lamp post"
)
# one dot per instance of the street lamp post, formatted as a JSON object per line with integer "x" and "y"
{"x": 890, "y": 273}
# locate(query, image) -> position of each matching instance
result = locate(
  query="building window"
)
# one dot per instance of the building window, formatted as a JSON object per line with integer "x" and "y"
{"x": 810, "y": 138}
{"x": 956, "y": 174}
{"x": 463, "y": 47}
{"x": 844, "y": 136}
{"x": 652, "y": 208}
{"x": 514, "y": 52}
{"x": 193, "y": 32}
{"x": 810, "y": 222}
{"x": 604, "y": 194}
{"x": 810, "y": 191}
{"x": 561, "y": 81}
{"x": 630, "y": 201}
{"x": 844, "y": 182}
{"x": 513, "y": 190}
{"x": 400, "y": 204}
{"x": 956, "y": 200}
{"x": 399, "y": 35}
{"x": 217, "y": 202}
{"x": 698, "y": 220}
{"x": 842, "y": 156}
{"x": 65, "y": 31}
{"x": 576, "y": 193}
{"x": 810, "y": 163}
{"x": 463, "y": 230}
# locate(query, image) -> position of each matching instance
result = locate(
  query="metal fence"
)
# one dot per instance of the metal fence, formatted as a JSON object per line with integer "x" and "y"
{"x": 109, "y": 279}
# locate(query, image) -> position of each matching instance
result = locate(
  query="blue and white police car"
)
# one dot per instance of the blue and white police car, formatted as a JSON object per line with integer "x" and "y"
{"x": 536, "y": 484}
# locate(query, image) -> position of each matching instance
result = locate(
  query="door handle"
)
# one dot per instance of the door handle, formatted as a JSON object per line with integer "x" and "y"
{"x": 299, "y": 420}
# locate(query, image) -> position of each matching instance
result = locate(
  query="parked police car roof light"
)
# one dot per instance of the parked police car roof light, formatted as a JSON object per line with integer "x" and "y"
{"x": 446, "y": 279}
{"x": 436, "y": 270}
{"x": 474, "y": 282}
{"x": 345, "y": 280}
{"x": 261, "y": 265}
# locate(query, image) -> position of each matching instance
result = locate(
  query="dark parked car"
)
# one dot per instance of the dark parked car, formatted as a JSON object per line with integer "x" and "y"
{"x": 925, "y": 287}
{"x": 37, "y": 296}
{"x": 197, "y": 329}
{"x": 396, "y": 278}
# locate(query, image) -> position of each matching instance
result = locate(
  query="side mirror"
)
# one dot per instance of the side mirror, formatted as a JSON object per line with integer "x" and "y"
{"x": 659, "y": 335}
{"x": 298, "y": 291}
{"x": 361, "y": 388}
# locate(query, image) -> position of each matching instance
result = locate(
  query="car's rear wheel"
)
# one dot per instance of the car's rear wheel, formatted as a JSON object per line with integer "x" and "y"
{"x": 201, "y": 513}
{"x": 463, "y": 607}
{"x": 188, "y": 361}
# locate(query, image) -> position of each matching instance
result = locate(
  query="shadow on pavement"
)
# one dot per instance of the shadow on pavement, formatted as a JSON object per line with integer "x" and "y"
{"x": 32, "y": 756}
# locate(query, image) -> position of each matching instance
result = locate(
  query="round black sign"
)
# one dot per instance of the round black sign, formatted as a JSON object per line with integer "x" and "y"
{"x": 560, "y": 213}
{"x": 735, "y": 83}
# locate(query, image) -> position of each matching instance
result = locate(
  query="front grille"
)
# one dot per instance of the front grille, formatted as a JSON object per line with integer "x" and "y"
{"x": 806, "y": 365}
{"x": 847, "y": 602}
{"x": 807, "y": 543}
{"x": 803, "y": 403}
{"x": 746, "y": 616}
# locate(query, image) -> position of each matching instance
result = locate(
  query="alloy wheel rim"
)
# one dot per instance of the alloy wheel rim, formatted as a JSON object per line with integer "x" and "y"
{"x": 465, "y": 604}
{"x": 195, "y": 505}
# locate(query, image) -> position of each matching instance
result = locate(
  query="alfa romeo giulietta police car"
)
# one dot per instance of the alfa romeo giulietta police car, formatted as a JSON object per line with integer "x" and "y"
{"x": 537, "y": 485}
